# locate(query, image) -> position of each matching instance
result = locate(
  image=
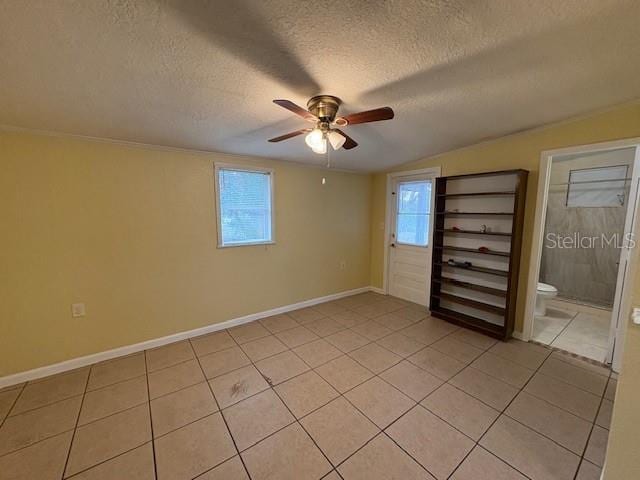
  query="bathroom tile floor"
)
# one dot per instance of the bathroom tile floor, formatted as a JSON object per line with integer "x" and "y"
{"x": 575, "y": 328}
{"x": 366, "y": 386}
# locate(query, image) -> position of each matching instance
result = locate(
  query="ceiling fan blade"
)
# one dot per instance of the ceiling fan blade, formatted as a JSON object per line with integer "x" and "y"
{"x": 292, "y": 107}
{"x": 286, "y": 136}
{"x": 384, "y": 113}
{"x": 349, "y": 142}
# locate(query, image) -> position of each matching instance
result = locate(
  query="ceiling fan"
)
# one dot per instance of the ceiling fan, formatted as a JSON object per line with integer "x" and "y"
{"x": 322, "y": 110}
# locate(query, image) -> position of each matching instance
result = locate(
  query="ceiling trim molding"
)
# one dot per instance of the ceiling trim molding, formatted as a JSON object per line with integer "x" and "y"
{"x": 167, "y": 148}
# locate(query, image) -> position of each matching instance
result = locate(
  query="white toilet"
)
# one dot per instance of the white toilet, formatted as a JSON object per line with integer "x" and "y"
{"x": 544, "y": 293}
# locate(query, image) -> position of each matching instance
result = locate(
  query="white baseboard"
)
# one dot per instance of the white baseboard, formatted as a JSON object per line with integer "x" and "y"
{"x": 377, "y": 290}
{"x": 518, "y": 335}
{"x": 158, "y": 342}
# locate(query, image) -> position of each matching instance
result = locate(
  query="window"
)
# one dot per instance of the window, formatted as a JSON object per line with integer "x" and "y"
{"x": 597, "y": 187}
{"x": 414, "y": 207}
{"x": 245, "y": 205}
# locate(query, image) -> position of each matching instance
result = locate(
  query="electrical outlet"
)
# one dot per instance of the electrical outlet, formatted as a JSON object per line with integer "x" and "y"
{"x": 78, "y": 310}
{"x": 343, "y": 264}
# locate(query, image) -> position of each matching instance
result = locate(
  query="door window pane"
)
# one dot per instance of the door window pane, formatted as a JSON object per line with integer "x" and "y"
{"x": 413, "y": 213}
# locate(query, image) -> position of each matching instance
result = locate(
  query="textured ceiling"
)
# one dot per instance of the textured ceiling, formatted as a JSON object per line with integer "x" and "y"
{"x": 202, "y": 75}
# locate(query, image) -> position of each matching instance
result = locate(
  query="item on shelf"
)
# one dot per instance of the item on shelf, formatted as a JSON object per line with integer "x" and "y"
{"x": 483, "y": 228}
{"x": 453, "y": 263}
{"x": 455, "y": 229}
{"x": 483, "y": 249}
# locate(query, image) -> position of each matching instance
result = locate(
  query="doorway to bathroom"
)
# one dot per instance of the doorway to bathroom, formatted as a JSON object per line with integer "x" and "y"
{"x": 578, "y": 294}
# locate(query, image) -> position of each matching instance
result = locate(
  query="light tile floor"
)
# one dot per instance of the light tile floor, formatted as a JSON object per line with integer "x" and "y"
{"x": 366, "y": 387}
{"x": 575, "y": 328}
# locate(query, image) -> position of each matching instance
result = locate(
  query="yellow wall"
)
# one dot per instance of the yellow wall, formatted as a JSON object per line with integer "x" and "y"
{"x": 514, "y": 151}
{"x": 131, "y": 232}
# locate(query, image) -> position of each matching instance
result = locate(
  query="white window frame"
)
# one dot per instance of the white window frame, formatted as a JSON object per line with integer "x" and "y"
{"x": 250, "y": 169}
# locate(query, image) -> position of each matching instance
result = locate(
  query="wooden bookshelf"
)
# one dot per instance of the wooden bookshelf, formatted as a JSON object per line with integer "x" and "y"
{"x": 472, "y": 212}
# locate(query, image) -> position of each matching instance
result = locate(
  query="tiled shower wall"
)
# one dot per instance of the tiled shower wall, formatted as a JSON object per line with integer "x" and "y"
{"x": 584, "y": 274}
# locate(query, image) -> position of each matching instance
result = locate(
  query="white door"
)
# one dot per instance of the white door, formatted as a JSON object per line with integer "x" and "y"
{"x": 620, "y": 307}
{"x": 410, "y": 242}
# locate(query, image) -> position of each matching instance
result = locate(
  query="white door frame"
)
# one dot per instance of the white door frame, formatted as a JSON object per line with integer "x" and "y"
{"x": 544, "y": 176}
{"x": 432, "y": 172}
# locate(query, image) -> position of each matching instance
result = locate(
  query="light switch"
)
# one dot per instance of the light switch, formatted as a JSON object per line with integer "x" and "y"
{"x": 635, "y": 315}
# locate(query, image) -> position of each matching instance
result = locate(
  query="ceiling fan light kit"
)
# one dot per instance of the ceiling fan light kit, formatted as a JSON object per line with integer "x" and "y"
{"x": 320, "y": 147}
{"x": 335, "y": 139}
{"x": 315, "y": 139}
{"x": 323, "y": 110}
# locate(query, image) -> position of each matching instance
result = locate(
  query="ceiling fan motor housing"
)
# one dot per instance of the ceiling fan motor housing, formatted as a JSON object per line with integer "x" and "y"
{"x": 325, "y": 107}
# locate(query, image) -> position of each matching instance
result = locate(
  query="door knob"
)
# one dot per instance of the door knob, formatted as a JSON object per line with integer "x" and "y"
{"x": 393, "y": 245}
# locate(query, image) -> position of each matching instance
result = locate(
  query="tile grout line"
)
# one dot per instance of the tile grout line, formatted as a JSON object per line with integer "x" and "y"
{"x": 593, "y": 425}
{"x": 233, "y": 440}
{"x": 562, "y": 408}
{"x": 311, "y": 369}
{"x": 502, "y": 413}
{"x": 562, "y": 354}
{"x": 563, "y": 328}
{"x": 74, "y": 396}
{"x": 75, "y": 429}
{"x": 296, "y": 419}
{"x": 380, "y": 430}
{"x": 11, "y": 414}
{"x": 153, "y": 443}
{"x": 419, "y": 403}
{"x": 583, "y": 370}
{"x": 13, "y": 404}
{"x": 102, "y": 462}
{"x": 88, "y": 392}
{"x": 384, "y": 430}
